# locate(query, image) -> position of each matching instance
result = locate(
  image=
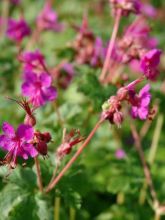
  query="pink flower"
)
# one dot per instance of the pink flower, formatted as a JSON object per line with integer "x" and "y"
{"x": 149, "y": 63}
{"x": 38, "y": 88}
{"x": 17, "y": 143}
{"x": 140, "y": 103}
{"x": 48, "y": 20}
{"x": 17, "y": 30}
{"x": 120, "y": 154}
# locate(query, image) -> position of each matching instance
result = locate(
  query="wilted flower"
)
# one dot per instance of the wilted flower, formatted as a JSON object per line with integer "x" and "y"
{"x": 127, "y": 6}
{"x": 63, "y": 74}
{"x": 140, "y": 103}
{"x": 48, "y": 19}
{"x": 17, "y": 30}
{"x": 40, "y": 142}
{"x": 17, "y": 143}
{"x": 70, "y": 140}
{"x": 38, "y": 88}
{"x": 149, "y": 63}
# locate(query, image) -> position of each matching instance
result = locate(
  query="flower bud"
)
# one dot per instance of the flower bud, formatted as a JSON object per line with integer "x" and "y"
{"x": 118, "y": 118}
{"x": 47, "y": 137}
{"x": 122, "y": 93}
{"x": 42, "y": 148}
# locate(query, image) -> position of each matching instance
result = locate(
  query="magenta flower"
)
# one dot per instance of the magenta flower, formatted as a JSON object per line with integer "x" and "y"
{"x": 17, "y": 143}
{"x": 33, "y": 61}
{"x": 38, "y": 88}
{"x": 120, "y": 154}
{"x": 48, "y": 20}
{"x": 140, "y": 103}
{"x": 17, "y": 30}
{"x": 149, "y": 63}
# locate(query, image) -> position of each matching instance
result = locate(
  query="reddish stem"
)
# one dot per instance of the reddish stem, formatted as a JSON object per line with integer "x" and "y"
{"x": 110, "y": 46}
{"x": 39, "y": 178}
{"x": 75, "y": 156}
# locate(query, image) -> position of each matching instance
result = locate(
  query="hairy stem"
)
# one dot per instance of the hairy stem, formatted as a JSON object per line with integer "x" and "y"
{"x": 146, "y": 169}
{"x": 110, "y": 46}
{"x": 39, "y": 178}
{"x": 75, "y": 156}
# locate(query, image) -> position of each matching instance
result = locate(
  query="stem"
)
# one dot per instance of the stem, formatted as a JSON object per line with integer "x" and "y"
{"x": 57, "y": 204}
{"x": 155, "y": 139}
{"x": 4, "y": 15}
{"x": 146, "y": 169}
{"x": 111, "y": 45}
{"x": 39, "y": 178}
{"x": 72, "y": 214}
{"x": 75, "y": 156}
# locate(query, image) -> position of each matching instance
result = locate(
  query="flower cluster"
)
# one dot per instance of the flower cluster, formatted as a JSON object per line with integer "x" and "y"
{"x": 88, "y": 48}
{"x": 37, "y": 85}
{"x": 139, "y": 103}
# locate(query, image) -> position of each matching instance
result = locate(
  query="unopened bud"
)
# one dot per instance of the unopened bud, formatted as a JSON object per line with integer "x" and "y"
{"x": 118, "y": 118}
{"x": 122, "y": 93}
{"x": 47, "y": 137}
{"x": 42, "y": 148}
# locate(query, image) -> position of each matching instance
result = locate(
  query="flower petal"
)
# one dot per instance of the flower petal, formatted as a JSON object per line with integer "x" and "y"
{"x": 30, "y": 150}
{"x": 49, "y": 94}
{"x": 46, "y": 80}
{"x": 143, "y": 113}
{"x": 8, "y": 129}
{"x": 25, "y": 131}
{"x": 28, "y": 89}
{"x": 6, "y": 142}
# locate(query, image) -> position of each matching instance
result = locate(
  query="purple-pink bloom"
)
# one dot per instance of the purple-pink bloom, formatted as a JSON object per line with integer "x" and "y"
{"x": 120, "y": 154}
{"x": 17, "y": 143}
{"x": 17, "y": 30}
{"x": 38, "y": 88}
{"x": 33, "y": 61}
{"x": 149, "y": 63}
{"x": 140, "y": 103}
{"x": 48, "y": 19}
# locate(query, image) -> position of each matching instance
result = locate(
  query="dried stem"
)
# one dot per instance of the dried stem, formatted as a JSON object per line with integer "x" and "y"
{"x": 75, "y": 156}
{"x": 110, "y": 46}
{"x": 39, "y": 178}
{"x": 146, "y": 169}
